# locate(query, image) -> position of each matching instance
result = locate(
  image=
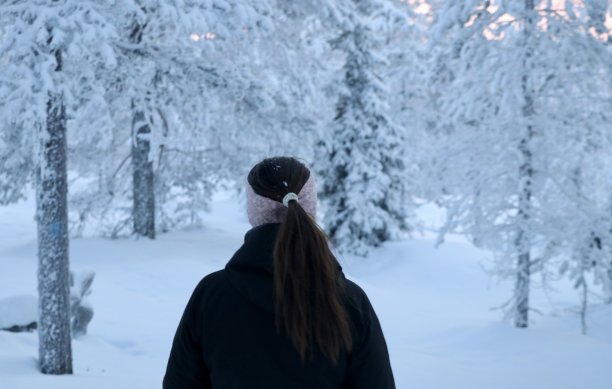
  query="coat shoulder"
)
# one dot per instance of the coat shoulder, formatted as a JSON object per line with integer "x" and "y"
{"x": 211, "y": 281}
{"x": 354, "y": 292}
{"x": 358, "y": 303}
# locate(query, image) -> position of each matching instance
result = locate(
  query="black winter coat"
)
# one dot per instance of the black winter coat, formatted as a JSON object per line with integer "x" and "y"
{"x": 227, "y": 338}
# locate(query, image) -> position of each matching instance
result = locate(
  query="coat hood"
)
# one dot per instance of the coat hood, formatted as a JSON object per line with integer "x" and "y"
{"x": 251, "y": 269}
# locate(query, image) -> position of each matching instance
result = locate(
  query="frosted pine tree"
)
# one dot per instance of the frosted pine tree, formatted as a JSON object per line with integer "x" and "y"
{"x": 360, "y": 162}
{"x": 511, "y": 108}
{"x": 42, "y": 40}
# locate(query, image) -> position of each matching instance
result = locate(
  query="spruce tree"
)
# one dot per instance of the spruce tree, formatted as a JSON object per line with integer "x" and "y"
{"x": 360, "y": 161}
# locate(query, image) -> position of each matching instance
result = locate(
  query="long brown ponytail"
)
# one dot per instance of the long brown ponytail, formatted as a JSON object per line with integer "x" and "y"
{"x": 307, "y": 286}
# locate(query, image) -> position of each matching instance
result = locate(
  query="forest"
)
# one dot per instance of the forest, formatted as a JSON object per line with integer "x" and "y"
{"x": 123, "y": 122}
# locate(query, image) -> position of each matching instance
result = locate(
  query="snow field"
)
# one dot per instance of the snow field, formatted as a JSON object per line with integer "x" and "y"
{"x": 435, "y": 306}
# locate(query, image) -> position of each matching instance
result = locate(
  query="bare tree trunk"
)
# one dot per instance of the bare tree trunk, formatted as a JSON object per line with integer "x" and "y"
{"x": 608, "y": 296}
{"x": 143, "y": 178}
{"x": 523, "y": 240}
{"x": 521, "y": 291}
{"x": 55, "y": 354}
{"x": 608, "y": 284}
{"x": 584, "y": 302}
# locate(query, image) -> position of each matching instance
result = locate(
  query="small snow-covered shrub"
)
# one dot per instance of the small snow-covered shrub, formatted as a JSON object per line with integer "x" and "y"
{"x": 81, "y": 311}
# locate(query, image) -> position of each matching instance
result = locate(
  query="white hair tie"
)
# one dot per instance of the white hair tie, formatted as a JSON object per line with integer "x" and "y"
{"x": 288, "y": 197}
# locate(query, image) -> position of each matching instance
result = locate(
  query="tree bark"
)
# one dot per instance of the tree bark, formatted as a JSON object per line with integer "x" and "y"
{"x": 521, "y": 291}
{"x": 608, "y": 285}
{"x": 523, "y": 240}
{"x": 608, "y": 297}
{"x": 584, "y": 302}
{"x": 143, "y": 178}
{"x": 55, "y": 354}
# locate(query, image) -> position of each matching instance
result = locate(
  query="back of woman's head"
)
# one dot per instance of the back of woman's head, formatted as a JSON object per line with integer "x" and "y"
{"x": 307, "y": 284}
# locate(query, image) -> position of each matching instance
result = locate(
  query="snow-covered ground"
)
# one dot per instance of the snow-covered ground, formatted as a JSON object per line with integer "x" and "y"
{"x": 435, "y": 305}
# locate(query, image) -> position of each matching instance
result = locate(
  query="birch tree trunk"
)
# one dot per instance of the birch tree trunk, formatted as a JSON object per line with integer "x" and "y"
{"x": 55, "y": 354}
{"x": 523, "y": 240}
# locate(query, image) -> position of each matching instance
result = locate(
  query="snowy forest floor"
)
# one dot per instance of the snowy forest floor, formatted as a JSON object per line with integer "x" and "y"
{"x": 435, "y": 306}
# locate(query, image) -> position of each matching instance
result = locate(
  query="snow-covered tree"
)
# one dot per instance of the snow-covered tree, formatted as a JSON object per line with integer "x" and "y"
{"x": 293, "y": 66}
{"x": 517, "y": 85}
{"x": 210, "y": 98}
{"x": 586, "y": 235}
{"x": 407, "y": 73}
{"x": 361, "y": 160}
{"x": 155, "y": 40}
{"x": 180, "y": 84}
{"x": 41, "y": 42}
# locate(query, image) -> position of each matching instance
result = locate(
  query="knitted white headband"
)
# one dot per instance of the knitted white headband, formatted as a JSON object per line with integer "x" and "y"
{"x": 262, "y": 210}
